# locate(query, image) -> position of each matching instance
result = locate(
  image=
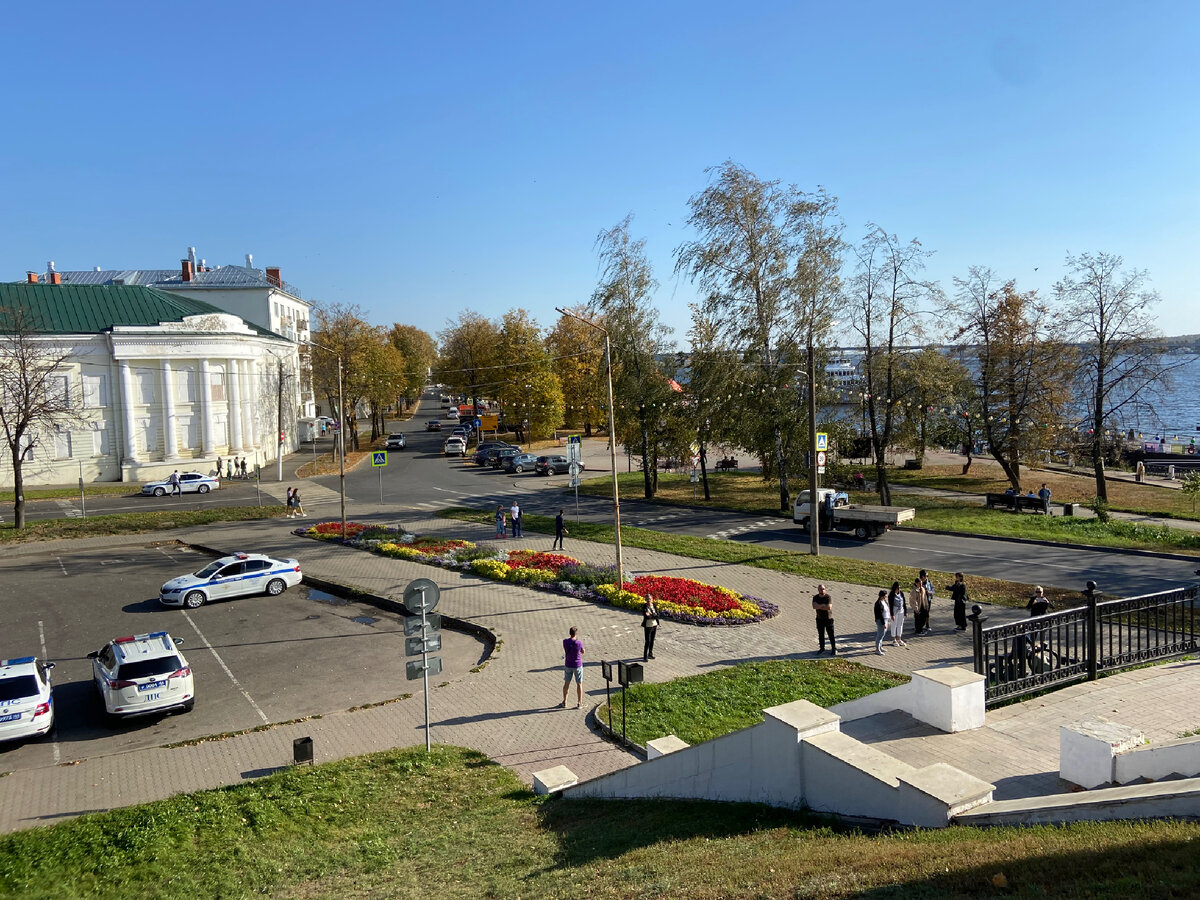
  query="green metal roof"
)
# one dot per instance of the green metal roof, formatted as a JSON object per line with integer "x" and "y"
{"x": 95, "y": 308}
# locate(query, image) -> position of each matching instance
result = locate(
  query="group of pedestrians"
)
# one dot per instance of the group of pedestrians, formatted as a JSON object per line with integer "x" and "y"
{"x": 235, "y": 467}
{"x": 295, "y": 509}
{"x": 512, "y": 517}
{"x": 893, "y": 608}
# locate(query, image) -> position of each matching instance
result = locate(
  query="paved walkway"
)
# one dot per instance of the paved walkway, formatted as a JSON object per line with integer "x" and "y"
{"x": 509, "y": 709}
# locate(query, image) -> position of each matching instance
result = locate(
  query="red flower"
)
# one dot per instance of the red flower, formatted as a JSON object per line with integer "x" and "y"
{"x": 547, "y": 562}
{"x": 683, "y": 591}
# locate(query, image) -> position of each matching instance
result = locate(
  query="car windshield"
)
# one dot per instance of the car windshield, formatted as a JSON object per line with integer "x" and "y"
{"x": 395, "y": 437}
{"x": 144, "y": 668}
{"x": 210, "y": 569}
{"x": 17, "y": 687}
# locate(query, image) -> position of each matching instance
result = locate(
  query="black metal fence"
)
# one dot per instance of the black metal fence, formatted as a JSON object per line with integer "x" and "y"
{"x": 1077, "y": 644}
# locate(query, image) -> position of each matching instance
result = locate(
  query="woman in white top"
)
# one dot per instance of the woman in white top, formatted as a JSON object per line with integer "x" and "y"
{"x": 899, "y": 606}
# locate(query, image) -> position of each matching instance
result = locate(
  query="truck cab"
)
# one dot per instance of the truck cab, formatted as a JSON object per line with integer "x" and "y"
{"x": 828, "y": 498}
{"x": 835, "y": 512}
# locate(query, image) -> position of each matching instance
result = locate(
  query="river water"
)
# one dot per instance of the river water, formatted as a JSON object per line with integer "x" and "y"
{"x": 1173, "y": 413}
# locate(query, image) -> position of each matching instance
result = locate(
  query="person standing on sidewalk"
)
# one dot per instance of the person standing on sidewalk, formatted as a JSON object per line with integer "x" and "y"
{"x": 919, "y": 602}
{"x": 899, "y": 608}
{"x": 1039, "y": 604}
{"x": 499, "y": 521}
{"x": 649, "y": 628}
{"x": 823, "y": 605}
{"x": 883, "y": 618}
{"x": 515, "y": 512}
{"x": 559, "y": 532}
{"x": 218, "y": 467}
{"x": 573, "y": 667}
{"x": 927, "y": 584}
{"x": 291, "y": 506}
{"x": 958, "y": 593}
{"x": 296, "y": 504}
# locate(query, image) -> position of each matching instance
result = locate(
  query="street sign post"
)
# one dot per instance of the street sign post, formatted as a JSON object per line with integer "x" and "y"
{"x": 379, "y": 460}
{"x": 820, "y": 462}
{"x": 420, "y": 598}
{"x": 822, "y": 440}
{"x": 413, "y": 625}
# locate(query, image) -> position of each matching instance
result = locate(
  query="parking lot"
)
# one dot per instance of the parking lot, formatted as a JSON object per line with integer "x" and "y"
{"x": 255, "y": 660}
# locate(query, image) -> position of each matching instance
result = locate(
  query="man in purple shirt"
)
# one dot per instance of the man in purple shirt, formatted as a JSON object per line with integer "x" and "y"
{"x": 573, "y": 667}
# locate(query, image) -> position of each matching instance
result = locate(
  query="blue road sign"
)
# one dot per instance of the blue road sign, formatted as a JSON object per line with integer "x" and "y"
{"x": 822, "y": 440}
{"x": 479, "y": 423}
{"x": 378, "y": 458}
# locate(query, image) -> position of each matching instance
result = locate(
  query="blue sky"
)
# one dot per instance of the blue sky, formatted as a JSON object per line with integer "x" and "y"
{"x": 421, "y": 159}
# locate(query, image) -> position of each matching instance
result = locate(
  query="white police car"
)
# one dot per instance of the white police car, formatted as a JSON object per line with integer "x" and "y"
{"x": 26, "y": 703}
{"x": 232, "y": 576}
{"x": 142, "y": 674}
{"x": 189, "y": 483}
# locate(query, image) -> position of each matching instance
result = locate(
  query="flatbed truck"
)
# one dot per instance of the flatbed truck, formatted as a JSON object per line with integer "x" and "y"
{"x": 837, "y": 513}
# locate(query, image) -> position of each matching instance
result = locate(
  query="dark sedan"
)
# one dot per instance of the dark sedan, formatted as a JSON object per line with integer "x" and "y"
{"x": 520, "y": 462}
{"x": 554, "y": 465}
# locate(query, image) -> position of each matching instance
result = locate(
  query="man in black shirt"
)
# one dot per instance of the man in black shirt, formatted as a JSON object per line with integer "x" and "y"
{"x": 559, "y": 531}
{"x": 823, "y": 605}
{"x": 1039, "y": 604}
{"x": 958, "y": 593}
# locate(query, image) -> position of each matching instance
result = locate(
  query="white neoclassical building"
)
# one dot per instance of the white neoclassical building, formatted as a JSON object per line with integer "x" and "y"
{"x": 156, "y": 381}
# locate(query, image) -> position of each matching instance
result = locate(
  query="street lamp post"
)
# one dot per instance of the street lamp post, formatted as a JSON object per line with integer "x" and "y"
{"x": 341, "y": 433}
{"x": 814, "y": 517}
{"x": 612, "y": 438}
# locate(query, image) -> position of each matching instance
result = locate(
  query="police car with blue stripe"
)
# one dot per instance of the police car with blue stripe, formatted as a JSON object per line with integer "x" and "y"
{"x": 142, "y": 674}
{"x": 240, "y": 575}
{"x": 26, "y": 703}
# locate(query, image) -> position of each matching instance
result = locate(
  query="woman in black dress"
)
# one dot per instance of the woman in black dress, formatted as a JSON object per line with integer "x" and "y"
{"x": 649, "y": 628}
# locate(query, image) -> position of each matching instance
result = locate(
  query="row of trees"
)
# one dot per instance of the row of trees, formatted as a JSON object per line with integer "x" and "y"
{"x": 778, "y": 280}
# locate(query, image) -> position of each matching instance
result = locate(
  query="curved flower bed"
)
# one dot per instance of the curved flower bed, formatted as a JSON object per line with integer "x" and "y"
{"x": 679, "y": 599}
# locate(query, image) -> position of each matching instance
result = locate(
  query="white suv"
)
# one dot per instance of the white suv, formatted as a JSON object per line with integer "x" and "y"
{"x": 26, "y": 704}
{"x": 143, "y": 674}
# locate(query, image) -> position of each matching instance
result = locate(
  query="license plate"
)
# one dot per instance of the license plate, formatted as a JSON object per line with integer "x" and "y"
{"x": 149, "y": 697}
{"x": 152, "y": 686}
{"x": 10, "y": 718}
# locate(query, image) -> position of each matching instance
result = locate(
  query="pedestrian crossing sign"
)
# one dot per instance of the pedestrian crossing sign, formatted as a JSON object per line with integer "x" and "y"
{"x": 378, "y": 458}
{"x": 822, "y": 440}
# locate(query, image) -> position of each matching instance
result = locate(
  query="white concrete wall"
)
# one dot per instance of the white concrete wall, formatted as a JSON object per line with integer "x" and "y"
{"x": 1173, "y": 799}
{"x": 1156, "y": 761}
{"x": 897, "y": 698}
{"x": 845, "y": 776}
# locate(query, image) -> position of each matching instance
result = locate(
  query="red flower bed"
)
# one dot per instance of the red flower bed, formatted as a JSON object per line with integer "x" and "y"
{"x": 353, "y": 529}
{"x": 682, "y": 591}
{"x": 548, "y": 562}
{"x": 433, "y": 547}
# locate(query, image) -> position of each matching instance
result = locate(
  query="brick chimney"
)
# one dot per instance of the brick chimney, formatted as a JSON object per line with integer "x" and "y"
{"x": 187, "y": 269}
{"x": 56, "y": 277}
{"x": 273, "y": 276}
{"x": 31, "y": 277}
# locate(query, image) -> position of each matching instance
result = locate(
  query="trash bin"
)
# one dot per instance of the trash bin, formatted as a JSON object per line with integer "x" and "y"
{"x": 302, "y": 750}
{"x": 1068, "y": 509}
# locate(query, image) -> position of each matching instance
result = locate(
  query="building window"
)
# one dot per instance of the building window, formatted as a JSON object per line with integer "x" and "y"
{"x": 217, "y": 374}
{"x": 62, "y": 443}
{"x": 100, "y": 443}
{"x": 185, "y": 385}
{"x": 145, "y": 386}
{"x": 58, "y": 390}
{"x": 95, "y": 391}
{"x": 187, "y": 433}
{"x": 221, "y": 431}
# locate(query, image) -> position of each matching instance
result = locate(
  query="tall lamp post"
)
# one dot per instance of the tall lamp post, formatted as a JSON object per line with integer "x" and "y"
{"x": 341, "y": 432}
{"x": 814, "y": 517}
{"x": 612, "y": 438}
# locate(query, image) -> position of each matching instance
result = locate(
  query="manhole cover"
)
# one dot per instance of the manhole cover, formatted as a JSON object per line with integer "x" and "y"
{"x": 365, "y": 620}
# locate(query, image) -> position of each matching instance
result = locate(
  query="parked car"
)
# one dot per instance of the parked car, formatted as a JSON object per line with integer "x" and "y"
{"x": 485, "y": 451}
{"x": 433, "y": 425}
{"x": 521, "y": 462}
{"x": 554, "y": 465}
{"x": 26, "y": 700}
{"x": 455, "y": 446}
{"x": 239, "y": 575}
{"x": 142, "y": 674}
{"x": 500, "y": 457}
{"x": 189, "y": 483}
{"x": 395, "y": 442}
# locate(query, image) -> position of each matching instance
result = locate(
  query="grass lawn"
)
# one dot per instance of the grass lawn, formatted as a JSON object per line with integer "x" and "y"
{"x": 743, "y": 491}
{"x": 122, "y": 489}
{"x": 962, "y": 518}
{"x": 820, "y": 568}
{"x": 701, "y": 707}
{"x": 401, "y": 824}
{"x": 132, "y": 523}
{"x": 987, "y": 478}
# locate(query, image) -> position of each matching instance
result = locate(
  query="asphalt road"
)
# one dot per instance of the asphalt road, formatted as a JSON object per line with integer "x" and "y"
{"x": 254, "y": 659}
{"x": 421, "y": 478}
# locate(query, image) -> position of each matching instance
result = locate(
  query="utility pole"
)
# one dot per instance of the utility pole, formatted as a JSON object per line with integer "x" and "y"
{"x": 279, "y": 423}
{"x": 814, "y": 508}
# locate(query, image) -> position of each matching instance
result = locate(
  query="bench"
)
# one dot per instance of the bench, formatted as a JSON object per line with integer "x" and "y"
{"x": 1015, "y": 503}
{"x": 726, "y": 465}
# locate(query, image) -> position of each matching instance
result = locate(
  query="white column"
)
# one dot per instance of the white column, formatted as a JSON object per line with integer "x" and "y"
{"x": 250, "y": 394}
{"x": 206, "y": 414}
{"x": 170, "y": 432}
{"x": 131, "y": 450}
{"x": 235, "y": 406}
